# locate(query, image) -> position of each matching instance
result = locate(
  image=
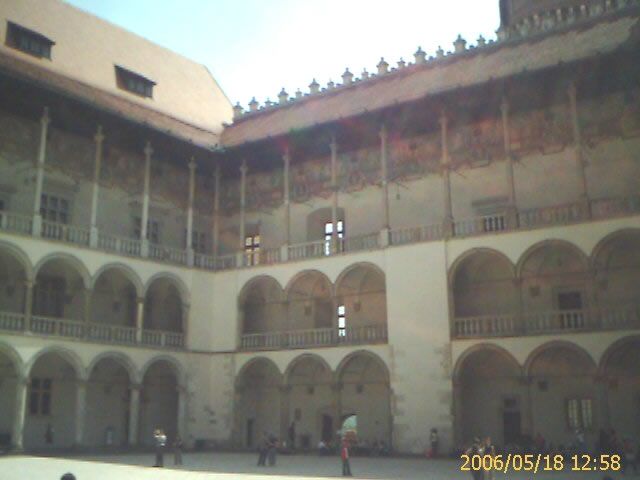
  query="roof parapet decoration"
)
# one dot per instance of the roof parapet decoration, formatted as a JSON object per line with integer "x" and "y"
{"x": 535, "y": 24}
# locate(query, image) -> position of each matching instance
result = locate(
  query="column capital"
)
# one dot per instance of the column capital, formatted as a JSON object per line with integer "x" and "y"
{"x": 99, "y": 136}
{"x": 45, "y": 119}
{"x": 140, "y": 299}
{"x": 135, "y": 386}
{"x": 148, "y": 150}
{"x": 29, "y": 283}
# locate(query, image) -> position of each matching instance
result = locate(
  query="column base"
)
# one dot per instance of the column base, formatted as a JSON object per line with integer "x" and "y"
{"x": 93, "y": 237}
{"x": 384, "y": 237}
{"x": 144, "y": 248}
{"x": 284, "y": 253}
{"x": 190, "y": 257}
{"x": 36, "y": 225}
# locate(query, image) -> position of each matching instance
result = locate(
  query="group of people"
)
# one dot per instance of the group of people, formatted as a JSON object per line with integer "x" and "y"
{"x": 160, "y": 441}
{"x": 267, "y": 450}
{"x": 481, "y": 447}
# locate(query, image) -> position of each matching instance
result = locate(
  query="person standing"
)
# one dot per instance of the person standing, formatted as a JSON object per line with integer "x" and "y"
{"x": 177, "y": 450}
{"x": 272, "y": 450}
{"x": 434, "y": 442}
{"x": 344, "y": 454}
{"x": 292, "y": 435}
{"x": 263, "y": 447}
{"x": 160, "y": 442}
{"x": 489, "y": 449}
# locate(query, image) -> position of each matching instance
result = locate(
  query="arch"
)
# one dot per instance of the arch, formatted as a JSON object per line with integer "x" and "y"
{"x": 175, "y": 365}
{"x": 364, "y": 265}
{"x": 270, "y": 364}
{"x": 120, "y": 358}
{"x": 72, "y": 260}
{"x": 126, "y": 270}
{"x": 20, "y": 256}
{"x": 528, "y": 253}
{"x": 612, "y": 349}
{"x": 69, "y": 356}
{"x": 469, "y": 352}
{"x": 465, "y": 256}
{"x": 301, "y": 358}
{"x": 177, "y": 282}
{"x": 344, "y": 363}
{"x": 559, "y": 344}
{"x": 602, "y": 245}
{"x": 15, "y": 358}
{"x": 253, "y": 282}
{"x": 296, "y": 278}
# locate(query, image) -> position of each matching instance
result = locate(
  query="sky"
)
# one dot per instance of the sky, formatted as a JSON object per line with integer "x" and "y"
{"x": 254, "y": 48}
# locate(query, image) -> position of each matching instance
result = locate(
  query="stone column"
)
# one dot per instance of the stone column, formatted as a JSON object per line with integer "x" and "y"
{"x": 28, "y": 303}
{"x": 458, "y": 413}
{"x": 148, "y": 151}
{"x": 139, "y": 318}
{"x": 577, "y": 147}
{"x": 447, "y": 227}
{"x": 134, "y": 413}
{"x": 81, "y": 408}
{"x": 42, "y": 154}
{"x": 602, "y": 390}
{"x": 336, "y": 390}
{"x": 243, "y": 199}
{"x": 384, "y": 233}
{"x": 285, "y": 412}
{"x": 512, "y": 213}
{"x": 93, "y": 233}
{"x": 284, "y": 253}
{"x": 20, "y": 410}
{"x": 192, "y": 188}
{"x": 186, "y": 308}
{"x": 182, "y": 412}
{"x": 216, "y": 213}
{"x": 87, "y": 292}
{"x": 527, "y": 419}
{"x": 334, "y": 198}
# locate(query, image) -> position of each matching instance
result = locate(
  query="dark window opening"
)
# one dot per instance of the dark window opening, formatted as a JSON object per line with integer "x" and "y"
{"x": 153, "y": 230}
{"x": 28, "y": 41}
{"x": 134, "y": 82}
{"x": 40, "y": 396}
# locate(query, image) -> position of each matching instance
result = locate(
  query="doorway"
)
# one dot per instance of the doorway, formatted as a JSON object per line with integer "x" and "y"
{"x": 250, "y": 431}
{"x": 511, "y": 420}
{"x": 327, "y": 428}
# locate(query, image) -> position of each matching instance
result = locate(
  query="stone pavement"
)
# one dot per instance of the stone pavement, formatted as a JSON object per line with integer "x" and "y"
{"x": 241, "y": 466}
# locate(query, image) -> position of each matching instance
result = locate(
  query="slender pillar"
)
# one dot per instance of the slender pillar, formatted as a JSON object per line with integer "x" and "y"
{"x": 42, "y": 154}
{"x": 148, "y": 151}
{"x": 93, "y": 233}
{"x": 17, "y": 436}
{"x": 528, "y": 421}
{"x": 285, "y": 412}
{"x": 87, "y": 292}
{"x": 134, "y": 413}
{"x": 216, "y": 213}
{"x": 458, "y": 413}
{"x": 186, "y": 308}
{"x": 602, "y": 389}
{"x": 284, "y": 250}
{"x": 243, "y": 195}
{"x": 512, "y": 213}
{"x": 336, "y": 390}
{"x": 334, "y": 198}
{"x": 386, "y": 223}
{"x": 139, "y": 318}
{"x": 182, "y": 412}
{"x": 448, "y": 212}
{"x": 192, "y": 190}
{"x": 28, "y": 303}
{"x": 81, "y": 409}
{"x": 577, "y": 147}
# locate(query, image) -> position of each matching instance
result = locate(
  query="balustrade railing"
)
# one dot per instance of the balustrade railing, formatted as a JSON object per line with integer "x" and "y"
{"x": 480, "y": 225}
{"x": 226, "y": 262}
{"x": 207, "y": 262}
{"x": 15, "y": 222}
{"x": 615, "y": 207}
{"x": 168, "y": 254}
{"x": 485, "y": 326}
{"x": 416, "y": 234}
{"x": 125, "y": 246}
{"x": 65, "y": 233}
{"x": 317, "y": 337}
{"x": 555, "y": 215}
{"x": 159, "y": 338}
{"x": 11, "y": 322}
{"x": 361, "y": 242}
{"x": 315, "y": 249}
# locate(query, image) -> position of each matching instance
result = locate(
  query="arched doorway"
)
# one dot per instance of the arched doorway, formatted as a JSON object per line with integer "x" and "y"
{"x": 262, "y": 306}
{"x": 490, "y": 396}
{"x": 310, "y": 302}
{"x": 51, "y": 402}
{"x": 365, "y": 397}
{"x": 114, "y": 298}
{"x": 159, "y": 401}
{"x": 163, "y": 306}
{"x": 9, "y": 377}
{"x": 563, "y": 392}
{"x": 312, "y": 404}
{"x": 61, "y": 290}
{"x": 621, "y": 368}
{"x": 257, "y": 406}
{"x": 108, "y": 401}
{"x": 13, "y": 278}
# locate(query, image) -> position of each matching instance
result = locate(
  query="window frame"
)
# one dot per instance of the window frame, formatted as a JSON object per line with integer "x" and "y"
{"x": 328, "y": 235}
{"x": 46, "y": 208}
{"x": 37, "y": 45}
{"x": 583, "y": 411}
{"x": 133, "y": 82}
{"x": 153, "y": 229}
{"x": 252, "y": 245}
{"x": 342, "y": 320}
{"x": 40, "y": 396}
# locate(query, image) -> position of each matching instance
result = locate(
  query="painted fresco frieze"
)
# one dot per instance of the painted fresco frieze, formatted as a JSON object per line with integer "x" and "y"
{"x": 413, "y": 157}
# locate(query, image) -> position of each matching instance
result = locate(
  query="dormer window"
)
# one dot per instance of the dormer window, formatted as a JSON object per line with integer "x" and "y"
{"x": 134, "y": 82}
{"x": 28, "y": 41}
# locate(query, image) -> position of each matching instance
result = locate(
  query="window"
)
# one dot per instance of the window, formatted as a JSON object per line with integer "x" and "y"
{"x": 134, "y": 83}
{"x": 252, "y": 249}
{"x": 54, "y": 208}
{"x": 28, "y": 41}
{"x": 580, "y": 413}
{"x": 40, "y": 396}
{"x": 342, "y": 321}
{"x": 570, "y": 306}
{"x": 153, "y": 230}
{"x": 328, "y": 233}
{"x": 49, "y": 296}
{"x": 198, "y": 241}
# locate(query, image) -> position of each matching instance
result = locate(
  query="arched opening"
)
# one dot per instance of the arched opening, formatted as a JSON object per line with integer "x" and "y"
{"x": 365, "y": 398}
{"x": 617, "y": 266}
{"x": 13, "y": 278}
{"x": 622, "y": 372}
{"x": 310, "y": 302}
{"x": 159, "y": 402}
{"x": 555, "y": 288}
{"x": 257, "y": 402}
{"x": 108, "y": 402}
{"x": 361, "y": 292}
{"x": 312, "y": 404}
{"x": 163, "y": 307}
{"x": 114, "y": 299}
{"x": 8, "y": 391}
{"x": 262, "y": 306}
{"x": 491, "y": 397}
{"x": 60, "y": 290}
{"x": 563, "y": 393}
{"x": 51, "y": 402}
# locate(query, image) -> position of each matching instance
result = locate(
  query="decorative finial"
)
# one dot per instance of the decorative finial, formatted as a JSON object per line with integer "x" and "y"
{"x": 439, "y": 52}
{"x": 460, "y": 44}
{"x": 347, "y": 77}
{"x": 314, "y": 87}
{"x": 253, "y": 105}
{"x": 402, "y": 63}
{"x": 383, "y": 67}
{"x": 298, "y": 94}
{"x": 330, "y": 84}
{"x": 420, "y": 56}
{"x": 364, "y": 75}
{"x": 283, "y": 96}
{"x": 481, "y": 41}
{"x": 237, "y": 110}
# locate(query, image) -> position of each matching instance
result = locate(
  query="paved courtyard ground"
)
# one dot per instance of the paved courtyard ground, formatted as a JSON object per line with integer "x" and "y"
{"x": 240, "y": 466}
